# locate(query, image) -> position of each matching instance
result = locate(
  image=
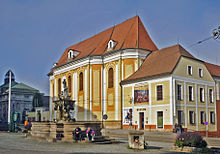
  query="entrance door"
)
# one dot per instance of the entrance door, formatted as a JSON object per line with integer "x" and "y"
{"x": 141, "y": 120}
{"x": 160, "y": 119}
{"x": 38, "y": 116}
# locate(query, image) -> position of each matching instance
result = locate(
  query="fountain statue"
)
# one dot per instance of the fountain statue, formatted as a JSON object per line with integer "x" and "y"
{"x": 63, "y": 105}
{"x": 62, "y": 128}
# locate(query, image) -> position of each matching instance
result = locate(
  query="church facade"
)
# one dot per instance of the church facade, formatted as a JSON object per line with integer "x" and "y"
{"x": 95, "y": 67}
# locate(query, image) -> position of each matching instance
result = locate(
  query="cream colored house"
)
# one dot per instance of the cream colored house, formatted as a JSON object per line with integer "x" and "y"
{"x": 170, "y": 87}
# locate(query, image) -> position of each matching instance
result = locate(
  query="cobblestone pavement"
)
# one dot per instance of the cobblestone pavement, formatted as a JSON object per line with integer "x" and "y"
{"x": 161, "y": 137}
{"x": 11, "y": 143}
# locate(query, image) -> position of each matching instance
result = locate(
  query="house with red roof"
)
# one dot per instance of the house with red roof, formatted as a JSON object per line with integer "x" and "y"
{"x": 180, "y": 89}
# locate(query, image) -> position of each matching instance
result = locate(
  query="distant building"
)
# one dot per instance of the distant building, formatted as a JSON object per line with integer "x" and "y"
{"x": 40, "y": 113}
{"x": 22, "y": 97}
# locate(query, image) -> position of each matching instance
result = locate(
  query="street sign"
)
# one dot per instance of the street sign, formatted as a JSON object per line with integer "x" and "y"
{"x": 105, "y": 117}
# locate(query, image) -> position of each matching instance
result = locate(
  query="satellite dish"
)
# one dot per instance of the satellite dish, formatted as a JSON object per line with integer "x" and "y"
{"x": 216, "y": 33}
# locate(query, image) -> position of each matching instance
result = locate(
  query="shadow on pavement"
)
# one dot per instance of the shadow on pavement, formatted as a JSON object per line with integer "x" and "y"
{"x": 154, "y": 147}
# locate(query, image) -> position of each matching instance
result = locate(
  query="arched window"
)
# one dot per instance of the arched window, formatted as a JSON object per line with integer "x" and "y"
{"x": 69, "y": 84}
{"x": 110, "y": 78}
{"x": 81, "y": 81}
{"x": 59, "y": 86}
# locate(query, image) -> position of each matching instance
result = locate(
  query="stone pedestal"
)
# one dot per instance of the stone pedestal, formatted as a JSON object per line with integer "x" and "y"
{"x": 40, "y": 130}
{"x": 52, "y": 132}
{"x": 136, "y": 139}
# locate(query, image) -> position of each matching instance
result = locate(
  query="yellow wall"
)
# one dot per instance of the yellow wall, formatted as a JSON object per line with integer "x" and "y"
{"x": 127, "y": 96}
{"x": 182, "y": 69}
{"x": 166, "y": 93}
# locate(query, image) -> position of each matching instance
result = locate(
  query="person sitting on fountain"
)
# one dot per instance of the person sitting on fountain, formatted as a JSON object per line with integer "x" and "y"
{"x": 90, "y": 134}
{"x": 77, "y": 134}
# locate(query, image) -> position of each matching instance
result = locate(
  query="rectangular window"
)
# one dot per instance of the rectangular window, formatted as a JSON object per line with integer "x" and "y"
{"x": 201, "y": 94}
{"x": 179, "y": 92}
{"x": 191, "y": 117}
{"x": 212, "y": 117}
{"x": 202, "y": 117}
{"x": 159, "y": 92}
{"x": 190, "y": 70}
{"x": 180, "y": 117}
{"x": 211, "y": 95}
{"x": 190, "y": 93}
{"x": 200, "y": 72}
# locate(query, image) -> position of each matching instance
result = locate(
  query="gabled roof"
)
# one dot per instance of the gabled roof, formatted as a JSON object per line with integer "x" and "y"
{"x": 128, "y": 34}
{"x": 213, "y": 69}
{"x": 160, "y": 62}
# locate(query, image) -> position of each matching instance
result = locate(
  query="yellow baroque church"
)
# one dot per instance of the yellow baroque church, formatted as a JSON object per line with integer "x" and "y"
{"x": 94, "y": 68}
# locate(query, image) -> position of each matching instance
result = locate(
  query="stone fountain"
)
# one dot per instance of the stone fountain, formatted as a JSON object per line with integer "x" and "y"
{"x": 62, "y": 127}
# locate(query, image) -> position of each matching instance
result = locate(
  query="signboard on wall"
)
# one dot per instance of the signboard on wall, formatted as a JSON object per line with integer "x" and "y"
{"x": 141, "y": 94}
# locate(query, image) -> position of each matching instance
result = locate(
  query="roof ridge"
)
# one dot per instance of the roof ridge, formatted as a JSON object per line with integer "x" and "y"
{"x": 127, "y": 35}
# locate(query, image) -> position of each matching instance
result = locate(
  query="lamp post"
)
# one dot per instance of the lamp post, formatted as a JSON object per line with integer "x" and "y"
{"x": 9, "y": 102}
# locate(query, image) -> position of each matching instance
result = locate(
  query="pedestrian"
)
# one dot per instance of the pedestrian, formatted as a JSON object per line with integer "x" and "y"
{"x": 26, "y": 125}
{"x": 90, "y": 134}
{"x": 77, "y": 134}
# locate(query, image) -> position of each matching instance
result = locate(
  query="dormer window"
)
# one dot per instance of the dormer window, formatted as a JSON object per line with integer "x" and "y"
{"x": 72, "y": 54}
{"x": 111, "y": 45}
{"x": 54, "y": 64}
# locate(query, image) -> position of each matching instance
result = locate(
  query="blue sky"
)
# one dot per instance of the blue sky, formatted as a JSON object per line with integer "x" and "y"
{"x": 35, "y": 33}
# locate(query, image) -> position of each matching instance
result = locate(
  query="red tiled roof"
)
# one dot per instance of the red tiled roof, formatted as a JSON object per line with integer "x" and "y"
{"x": 160, "y": 62}
{"x": 213, "y": 69}
{"x": 128, "y": 34}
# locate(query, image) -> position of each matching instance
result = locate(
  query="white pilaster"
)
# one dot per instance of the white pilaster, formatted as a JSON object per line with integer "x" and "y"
{"x": 171, "y": 101}
{"x": 197, "y": 112}
{"x": 185, "y": 99}
{"x": 207, "y": 113}
{"x": 174, "y": 97}
{"x": 90, "y": 92}
{"x": 75, "y": 93}
{"x": 132, "y": 104}
{"x": 217, "y": 89}
{"x": 116, "y": 92}
{"x": 55, "y": 86}
{"x": 85, "y": 93}
{"x": 104, "y": 85}
{"x": 122, "y": 71}
{"x": 150, "y": 102}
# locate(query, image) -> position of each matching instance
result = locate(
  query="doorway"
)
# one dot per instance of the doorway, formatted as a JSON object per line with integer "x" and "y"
{"x": 38, "y": 116}
{"x": 160, "y": 119}
{"x": 141, "y": 120}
